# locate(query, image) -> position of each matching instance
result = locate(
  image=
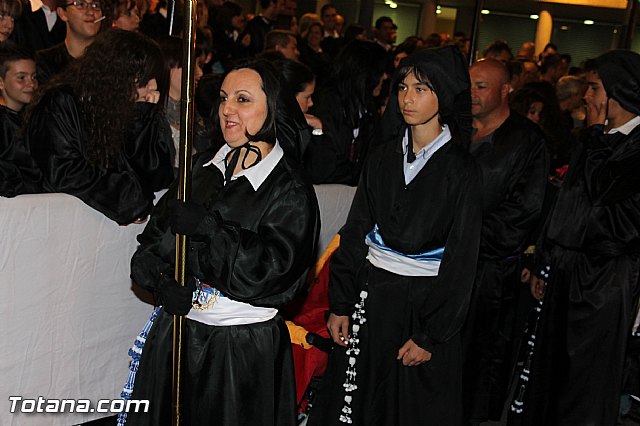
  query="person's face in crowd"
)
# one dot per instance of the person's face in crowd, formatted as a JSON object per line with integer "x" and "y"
{"x": 399, "y": 57}
{"x": 128, "y": 19}
{"x": 529, "y": 73}
{"x": 290, "y": 51}
{"x": 149, "y": 92}
{"x": 18, "y": 84}
{"x": 535, "y": 110}
{"x": 243, "y": 106}
{"x": 281, "y": 6}
{"x": 315, "y": 36}
{"x": 304, "y": 97}
{"x": 6, "y": 25}
{"x": 378, "y": 89}
{"x": 595, "y": 94}
{"x": 563, "y": 69}
{"x": 329, "y": 19}
{"x": 175, "y": 77}
{"x": 81, "y": 16}
{"x": 294, "y": 27}
{"x": 339, "y": 24}
{"x": 502, "y": 56}
{"x": 548, "y": 51}
{"x": 202, "y": 14}
{"x": 239, "y": 22}
{"x": 597, "y": 97}
{"x": 487, "y": 91}
{"x": 418, "y": 103}
{"x": 386, "y": 33}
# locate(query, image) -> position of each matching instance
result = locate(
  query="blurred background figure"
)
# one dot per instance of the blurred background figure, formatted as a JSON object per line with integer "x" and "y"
{"x": 125, "y": 15}
{"x": 9, "y": 12}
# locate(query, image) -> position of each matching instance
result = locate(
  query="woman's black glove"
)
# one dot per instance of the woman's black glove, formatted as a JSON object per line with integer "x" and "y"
{"x": 175, "y": 298}
{"x": 185, "y": 217}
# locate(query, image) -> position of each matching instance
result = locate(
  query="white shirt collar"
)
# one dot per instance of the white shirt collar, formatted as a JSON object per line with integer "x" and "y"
{"x": 257, "y": 174}
{"x": 627, "y": 127}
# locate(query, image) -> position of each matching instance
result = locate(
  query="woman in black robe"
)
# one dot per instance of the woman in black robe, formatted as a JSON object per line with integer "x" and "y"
{"x": 398, "y": 328}
{"x": 97, "y": 133}
{"x": 590, "y": 262}
{"x": 253, "y": 223}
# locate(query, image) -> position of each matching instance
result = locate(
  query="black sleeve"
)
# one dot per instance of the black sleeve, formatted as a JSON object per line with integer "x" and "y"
{"x": 612, "y": 170}
{"x": 262, "y": 267}
{"x": 57, "y": 140}
{"x": 343, "y": 288}
{"x": 443, "y": 313}
{"x": 509, "y": 228}
{"x": 156, "y": 252}
{"x": 148, "y": 147}
{"x": 18, "y": 172}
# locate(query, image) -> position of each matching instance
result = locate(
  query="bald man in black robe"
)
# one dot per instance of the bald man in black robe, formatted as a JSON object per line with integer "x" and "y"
{"x": 511, "y": 153}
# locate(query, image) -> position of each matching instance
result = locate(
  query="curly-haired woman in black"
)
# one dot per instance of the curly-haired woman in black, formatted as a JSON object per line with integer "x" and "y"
{"x": 96, "y": 132}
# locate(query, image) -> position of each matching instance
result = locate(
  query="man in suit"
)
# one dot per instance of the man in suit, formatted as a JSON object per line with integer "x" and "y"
{"x": 39, "y": 26}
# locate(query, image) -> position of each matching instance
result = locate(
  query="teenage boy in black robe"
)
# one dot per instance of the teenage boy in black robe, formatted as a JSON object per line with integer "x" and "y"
{"x": 512, "y": 156}
{"x": 590, "y": 257}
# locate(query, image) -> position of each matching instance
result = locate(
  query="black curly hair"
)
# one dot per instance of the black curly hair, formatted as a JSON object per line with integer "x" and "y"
{"x": 105, "y": 81}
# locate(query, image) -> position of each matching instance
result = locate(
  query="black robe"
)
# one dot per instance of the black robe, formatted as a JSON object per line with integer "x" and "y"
{"x": 258, "y": 246}
{"x": 514, "y": 171}
{"x": 124, "y": 191}
{"x": 52, "y": 61}
{"x": 592, "y": 244}
{"x": 18, "y": 172}
{"x": 336, "y": 156}
{"x": 440, "y": 207}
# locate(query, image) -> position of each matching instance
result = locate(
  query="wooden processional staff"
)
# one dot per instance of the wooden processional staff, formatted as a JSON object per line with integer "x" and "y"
{"x": 184, "y": 188}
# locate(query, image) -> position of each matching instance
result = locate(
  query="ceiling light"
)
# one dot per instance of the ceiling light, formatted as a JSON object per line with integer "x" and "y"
{"x": 588, "y": 22}
{"x": 564, "y": 28}
{"x": 533, "y": 16}
{"x": 485, "y": 11}
{"x": 393, "y": 5}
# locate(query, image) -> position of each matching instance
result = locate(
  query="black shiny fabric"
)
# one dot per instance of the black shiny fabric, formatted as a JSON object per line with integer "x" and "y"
{"x": 52, "y": 61}
{"x": 256, "y": 248}
{"x": 440, "y": 207}
{"x": 336, "y": 157}
{"x": 233, "y": 376}
{"x": 18, "y": 172}
{"x": 124, "y": 191}
{"x": 514, "y": 171}
{"x": 592, "y": 242}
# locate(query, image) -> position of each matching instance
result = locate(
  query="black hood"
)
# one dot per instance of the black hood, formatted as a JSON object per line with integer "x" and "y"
{"x": 619, "y": 71}
{"x": 449, "y": 75}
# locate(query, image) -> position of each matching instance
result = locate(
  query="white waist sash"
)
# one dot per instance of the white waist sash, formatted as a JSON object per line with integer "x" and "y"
{"x": 216, "y": 309}
{"x": 414, "y": 265}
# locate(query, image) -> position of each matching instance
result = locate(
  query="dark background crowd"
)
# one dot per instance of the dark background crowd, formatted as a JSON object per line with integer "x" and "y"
{"x": 90, "y": 106}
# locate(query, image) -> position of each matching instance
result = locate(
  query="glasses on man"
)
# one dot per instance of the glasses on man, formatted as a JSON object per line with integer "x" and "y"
{"x": 84, "y": 5}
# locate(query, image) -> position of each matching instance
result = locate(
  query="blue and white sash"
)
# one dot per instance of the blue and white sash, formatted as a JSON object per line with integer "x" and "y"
{"x": 412, "y": 265}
